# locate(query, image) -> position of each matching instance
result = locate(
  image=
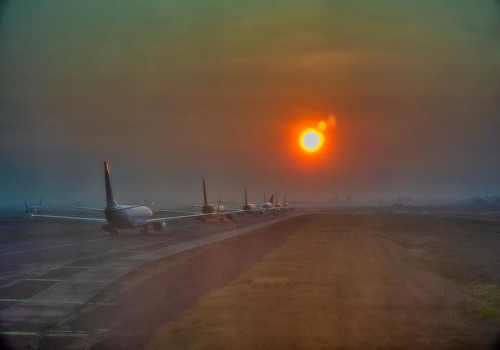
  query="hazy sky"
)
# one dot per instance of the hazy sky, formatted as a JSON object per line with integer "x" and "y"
{"x": 170, "y": 92}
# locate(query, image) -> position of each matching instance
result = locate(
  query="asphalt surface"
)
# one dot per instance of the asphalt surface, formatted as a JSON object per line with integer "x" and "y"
{"x": 45, "y": 279}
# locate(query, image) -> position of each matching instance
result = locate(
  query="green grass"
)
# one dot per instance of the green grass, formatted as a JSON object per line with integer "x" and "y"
{"x": 483, "y": 303}
{"x": 482, "y": 300}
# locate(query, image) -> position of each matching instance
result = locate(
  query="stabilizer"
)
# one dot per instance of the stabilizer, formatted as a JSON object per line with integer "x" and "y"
{"x": 205, "y": 201}
{"x": 110, "y": 201}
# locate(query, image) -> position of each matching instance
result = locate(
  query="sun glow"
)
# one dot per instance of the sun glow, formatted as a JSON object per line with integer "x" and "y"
{"x": 311, "y": 140}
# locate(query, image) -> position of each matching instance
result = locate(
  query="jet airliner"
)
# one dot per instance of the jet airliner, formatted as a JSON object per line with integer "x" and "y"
{"x": 277, "y": 205}
{"x": 268, "y": 204}
{"x": 32, "y": 208}
{"x": 207, "y": 210}
{"x": 121, "y": 216}
{"x": 249, "y": 207}
{"x": 211, "y": 209}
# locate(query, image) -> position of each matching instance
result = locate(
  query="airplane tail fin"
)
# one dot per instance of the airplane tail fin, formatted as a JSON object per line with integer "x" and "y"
{"x": 271, "y": 199}
{"x": 205, "y": 201}
{"x": 110, "y": 201}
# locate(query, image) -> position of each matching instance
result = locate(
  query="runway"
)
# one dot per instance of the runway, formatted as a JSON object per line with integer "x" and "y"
{"x": 45, "y": 279}
{"x": 79, "y": 288}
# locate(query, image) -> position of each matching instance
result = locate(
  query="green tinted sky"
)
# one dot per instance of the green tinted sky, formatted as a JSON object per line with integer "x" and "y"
{"x": 171, "y": 91}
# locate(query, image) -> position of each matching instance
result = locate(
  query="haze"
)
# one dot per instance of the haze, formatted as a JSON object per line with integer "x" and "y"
{"x": 170, "y": 92}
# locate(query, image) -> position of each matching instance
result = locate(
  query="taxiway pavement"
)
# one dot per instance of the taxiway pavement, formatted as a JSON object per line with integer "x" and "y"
{"x": 43, "y": 280}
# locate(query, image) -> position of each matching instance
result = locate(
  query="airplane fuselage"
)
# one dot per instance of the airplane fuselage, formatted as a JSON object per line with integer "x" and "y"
{"x": 249, "y": 207}
{"x": 123, "y": 216}
{"x": 267, "y": 205}
{"x": 212, "y": 209}
{"x": 34, "y": 210}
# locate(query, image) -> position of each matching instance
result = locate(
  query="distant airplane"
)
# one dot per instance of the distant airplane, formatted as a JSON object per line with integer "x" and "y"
{"x": 212, "y": 209}
{"x": 207, "y": 210}
{"x": 35, "y": 209}
{"x": 151, "y": 205}
{"x": 271, "y": 206}
{"x": 277, "y": 205}
{"x": 286, "y": 205}
{"x": 121, "y": 216}
{"x": 249, "y": 208}
{"x": 267, "y": 205}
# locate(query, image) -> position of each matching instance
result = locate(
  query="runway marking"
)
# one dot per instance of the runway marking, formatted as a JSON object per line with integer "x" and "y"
{"x": 49, "y": 334}
{"x": 74, "y": 267}
{"x": 48, "y": 302}
{"x": 71, "y": 280}
{"x": 65, "y": 307}
{"x": 54, "y": 246}
{"x": 43, "y": 280}
{"x": 95, "y": 267}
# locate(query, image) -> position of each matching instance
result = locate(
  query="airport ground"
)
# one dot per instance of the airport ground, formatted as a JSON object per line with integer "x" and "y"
{"x": 330, "y": 279}
{"x": 49, "y": 269}
{"x": 359, "y": 281}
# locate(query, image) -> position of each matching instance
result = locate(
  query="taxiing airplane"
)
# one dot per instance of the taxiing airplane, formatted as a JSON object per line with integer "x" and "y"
{"x": 212, "y": 209}
{"x": 286, "y": 205}
{"x": 249, "y": 208}
{"x": 271, "y": 206}
{"x": 207, "y": 210}
{"x": 122, "y": 216}
{"x": 35, "y": 209}
{"x": 277, "y": 205}
{"x": 268, "y": 204}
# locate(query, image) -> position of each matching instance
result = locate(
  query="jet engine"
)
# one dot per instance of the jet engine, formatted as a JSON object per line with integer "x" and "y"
{"x": 160, "y": 226}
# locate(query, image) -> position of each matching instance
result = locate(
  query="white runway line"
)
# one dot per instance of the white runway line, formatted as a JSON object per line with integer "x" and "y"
{"x": 51, "y": 334}
{"x": 50, "y": 302}
{"x": 54, "y": 246}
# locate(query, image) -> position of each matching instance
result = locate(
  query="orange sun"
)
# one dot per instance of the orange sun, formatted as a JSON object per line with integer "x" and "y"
{"x": 311, "y": 140}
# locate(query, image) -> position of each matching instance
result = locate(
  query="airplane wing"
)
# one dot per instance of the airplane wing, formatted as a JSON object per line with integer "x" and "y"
{"x": 269, "y": 209}
{"x": 85, "y": 208}
{"x": 176, "y": 211}
{"x": 101, "y": 210}
{"x": 236, "y": 211}
{"x": 275, "y": 208}
{"x": 172, "y": 218}
{"x": 73, "y": 218}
